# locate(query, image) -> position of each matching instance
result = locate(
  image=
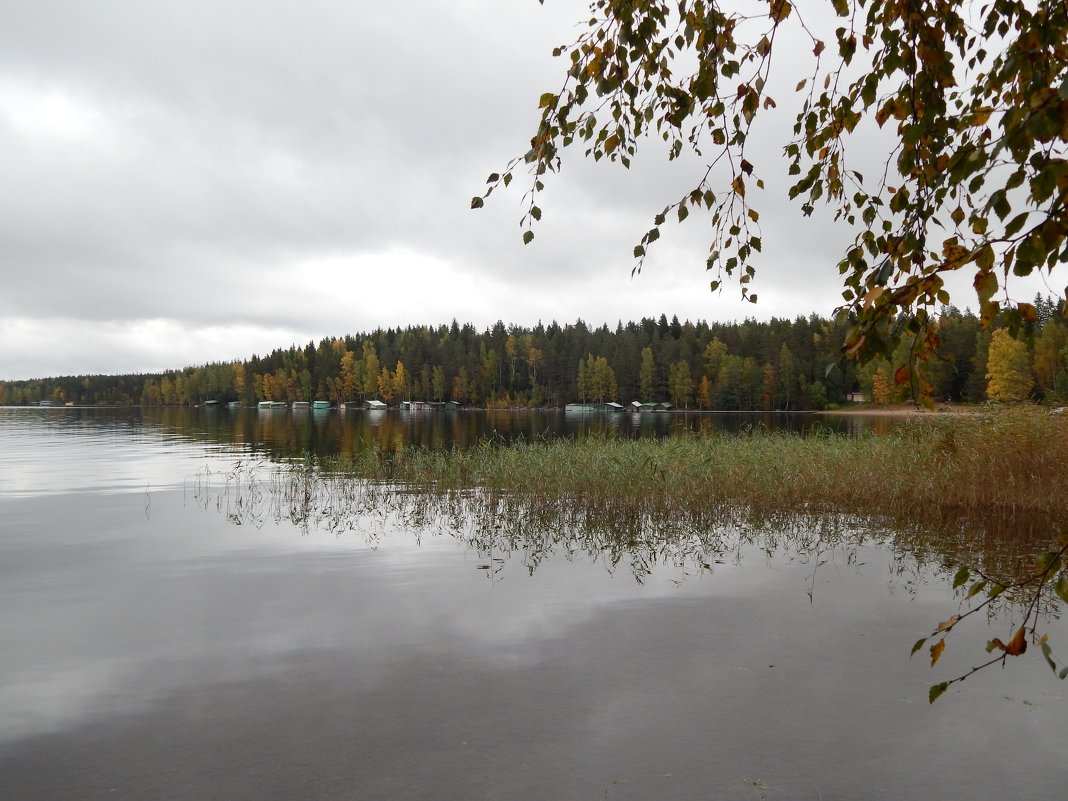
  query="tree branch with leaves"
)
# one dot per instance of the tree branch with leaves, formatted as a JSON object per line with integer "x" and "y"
{"x": 972, "y": 97}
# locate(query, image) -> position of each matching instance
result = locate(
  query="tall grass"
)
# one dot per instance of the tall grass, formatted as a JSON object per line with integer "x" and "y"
{"x": 993, "y": 488}
{"x": 1008, "y": 467}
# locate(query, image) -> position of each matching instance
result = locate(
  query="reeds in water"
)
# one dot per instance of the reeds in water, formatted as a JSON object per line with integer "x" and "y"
{"x": 988, "y": 485}
{"x": 1001, "y": 468}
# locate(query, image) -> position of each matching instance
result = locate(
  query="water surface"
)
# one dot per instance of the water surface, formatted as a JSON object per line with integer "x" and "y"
{"x": 155, "y": 650}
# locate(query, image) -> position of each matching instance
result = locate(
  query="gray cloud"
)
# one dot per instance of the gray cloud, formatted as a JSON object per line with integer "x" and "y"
{"x": 229, "y": 173}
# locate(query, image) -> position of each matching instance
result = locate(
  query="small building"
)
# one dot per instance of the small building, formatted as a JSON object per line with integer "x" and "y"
{"x": 663, "y": 407}
{"x": 374, "y": 406}
{"x": 590, "y": 408}
{"x": 321, "y": 405}
{"x": 452, "y": 406}
{"x": 580, "y": 408}
{"x": 420, "y": 406}
{"x": 857, "y": 397}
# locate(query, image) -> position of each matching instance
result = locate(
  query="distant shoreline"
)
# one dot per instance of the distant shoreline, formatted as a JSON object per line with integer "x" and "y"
{"x": 907, "y": 410}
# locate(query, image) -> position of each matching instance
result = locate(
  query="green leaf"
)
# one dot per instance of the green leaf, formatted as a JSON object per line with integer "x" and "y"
{"x": 936, "y": 690}
{"x": 961, "y": 576}
{"x": 1061, "y": 588}
{"x": 1015, "y": 224}
{"x": 477, "y": 202}
{"x": 1047, "y": 563}
{"x": 976, "y": 588}
{"x": 919, "y": 644}
{"x": 528, "y": 237}
{"x": 1047, "y": 653}
{"x": 535, "y": 212}
{"x": 547, "y": 100}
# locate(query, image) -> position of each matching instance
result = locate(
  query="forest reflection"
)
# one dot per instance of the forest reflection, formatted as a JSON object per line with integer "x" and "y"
{"x": 284, "y": 434}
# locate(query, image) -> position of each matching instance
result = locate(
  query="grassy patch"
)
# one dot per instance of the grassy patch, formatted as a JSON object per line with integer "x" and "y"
{"x": 1008, "y": 467}
{"x": 986, "y": 490}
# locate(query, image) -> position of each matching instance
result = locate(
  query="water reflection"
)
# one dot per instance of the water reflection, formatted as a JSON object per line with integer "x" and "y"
{"x": 366, "y": 642}
{"x": 621, "y": 532}
{"x": 283, "y": 433}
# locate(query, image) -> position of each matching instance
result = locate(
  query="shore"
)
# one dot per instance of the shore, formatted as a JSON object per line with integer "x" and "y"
{"x": 910, "y": 410}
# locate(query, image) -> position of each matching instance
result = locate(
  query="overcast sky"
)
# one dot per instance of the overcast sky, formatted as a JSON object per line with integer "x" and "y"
{"x": 199, "y": 181}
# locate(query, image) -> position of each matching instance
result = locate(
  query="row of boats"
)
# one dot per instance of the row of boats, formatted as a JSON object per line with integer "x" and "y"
{"x": 296, "y": 405}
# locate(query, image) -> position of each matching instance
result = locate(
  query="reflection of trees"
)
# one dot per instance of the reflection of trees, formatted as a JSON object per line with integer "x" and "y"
{"x": 283, "y": 435}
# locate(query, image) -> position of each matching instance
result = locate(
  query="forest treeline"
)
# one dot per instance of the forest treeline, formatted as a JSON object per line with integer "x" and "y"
{"x": 775, "y": 365}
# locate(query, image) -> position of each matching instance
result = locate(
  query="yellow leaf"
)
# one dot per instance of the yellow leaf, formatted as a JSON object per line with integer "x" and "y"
{"x": 780, "y": 10}
{"x": 1018, "y": 644}
{"x": 754, "y": 216}
{"x": 936, "y": 651}
{"x": 872, "y": 296}
{"x": 986, "y": 283}
{"x": 981, "y": 115}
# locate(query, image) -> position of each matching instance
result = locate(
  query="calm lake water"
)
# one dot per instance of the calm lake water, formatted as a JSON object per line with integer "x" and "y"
{"x": 155, "y": 649}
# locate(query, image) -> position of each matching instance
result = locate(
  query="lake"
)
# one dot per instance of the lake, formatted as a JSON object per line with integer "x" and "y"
{"x": 157, "y": 645}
